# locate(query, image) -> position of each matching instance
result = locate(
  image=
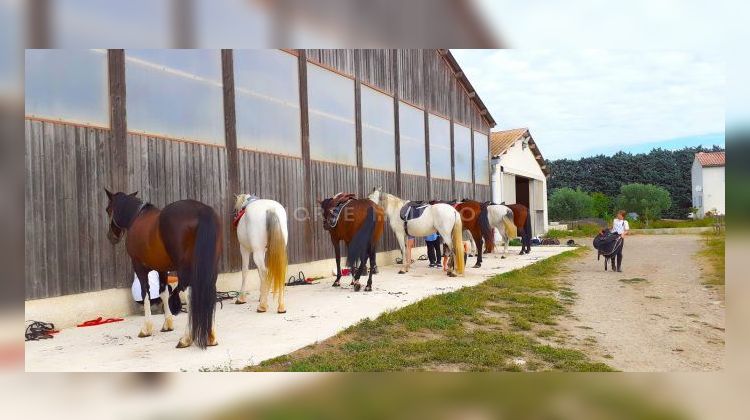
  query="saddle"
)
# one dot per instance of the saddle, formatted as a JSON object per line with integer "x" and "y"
{"x": 607, "y": 243}
{"x": 339, "y": 201}
{"x": 249, "y": 199}
{"x": 412, "y": 210}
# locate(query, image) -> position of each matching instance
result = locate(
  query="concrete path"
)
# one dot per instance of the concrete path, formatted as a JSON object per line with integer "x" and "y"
{"x": 315, "y": 312}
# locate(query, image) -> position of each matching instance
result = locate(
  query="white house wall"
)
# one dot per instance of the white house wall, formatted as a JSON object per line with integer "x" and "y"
{"x": 713, "y": 189}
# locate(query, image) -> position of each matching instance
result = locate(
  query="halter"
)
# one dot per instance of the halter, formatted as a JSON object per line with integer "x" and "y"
{"x": 137, "y": 212}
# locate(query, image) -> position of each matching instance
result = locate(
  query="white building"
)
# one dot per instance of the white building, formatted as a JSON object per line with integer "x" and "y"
{"x": 519, "y": 174}
{"x": 708, "y": 182}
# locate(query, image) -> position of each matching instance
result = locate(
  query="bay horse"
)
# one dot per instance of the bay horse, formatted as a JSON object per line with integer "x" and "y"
{"x": 359, "y": 223}
{"x": 500, "y": 217}
{"x": 439, "y": 217}
{"x": 474, "y": 218}
{"x": 183, "y": 237}
{"x": 262, "y": 231}
{"x": 522, "y": 220}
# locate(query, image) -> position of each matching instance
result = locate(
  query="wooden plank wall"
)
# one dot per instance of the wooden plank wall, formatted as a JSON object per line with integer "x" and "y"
{"x": 464, "y": 190}
{"x": 441, "y": 189}
{"x": 328, "y": 179}
{"x": 67, "y": 250}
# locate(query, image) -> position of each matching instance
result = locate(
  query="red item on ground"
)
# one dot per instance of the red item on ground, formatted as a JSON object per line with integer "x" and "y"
{"x": 345, "y": 271}
{"x": 99, "y": 321}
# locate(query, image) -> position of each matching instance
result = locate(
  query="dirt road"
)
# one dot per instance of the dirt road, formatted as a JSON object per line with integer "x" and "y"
{"x": 654, "y": 316}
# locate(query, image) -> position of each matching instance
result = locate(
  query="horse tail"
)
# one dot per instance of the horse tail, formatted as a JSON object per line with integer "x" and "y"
{"x": 361, "y": 243}
{"x": 276, "y": 256}
{"x": 458, "y": 245}
{"x": 511, "y": 231}
{"x": 484, "y": 225}
{"x": 203, "y": 279}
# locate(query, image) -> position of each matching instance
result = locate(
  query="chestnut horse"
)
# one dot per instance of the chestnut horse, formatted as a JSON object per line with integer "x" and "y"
{"x": 183, "y": 237}
{"x": 359, "y": 223}
{"x": 522, "y": 220}
{"x": 474, "y": 219}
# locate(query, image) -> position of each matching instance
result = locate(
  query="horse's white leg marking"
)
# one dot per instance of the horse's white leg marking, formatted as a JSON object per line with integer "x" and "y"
{"x": 186, "y": 339}
{"x": 259, "y": 258}
{"x": 168, "y": 318}
{"x": 148, "y": 326}
{"x": 280, "y": 299}
{"x": 242, "y": 298}
{"x": 402, "y": 243}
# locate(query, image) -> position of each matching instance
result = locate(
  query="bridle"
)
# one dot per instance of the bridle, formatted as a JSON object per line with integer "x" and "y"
{"x": 137, "y": 212}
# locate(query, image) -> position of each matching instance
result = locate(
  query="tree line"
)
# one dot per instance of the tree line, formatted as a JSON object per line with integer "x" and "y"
{"x": 668, "y": 169}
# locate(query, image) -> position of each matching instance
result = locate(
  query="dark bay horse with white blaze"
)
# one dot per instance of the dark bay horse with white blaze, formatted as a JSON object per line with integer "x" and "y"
{"x": 359, "y": 223}
{"x": 185, "y": 237}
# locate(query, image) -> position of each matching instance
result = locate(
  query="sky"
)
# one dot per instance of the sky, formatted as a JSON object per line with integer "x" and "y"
{"x": 580, "y": 103}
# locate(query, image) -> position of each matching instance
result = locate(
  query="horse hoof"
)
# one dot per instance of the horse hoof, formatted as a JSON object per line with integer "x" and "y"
{"x": 477, "y": 265}
{"x": 214, "y": 344}
{"x": 181, "y": 345}
{"x": 260, "y": 310}
{"x": 239, "y": 302}
{"x": 357, "y": 287}
{"x": 374, "y": 270}
{"x": 167, "y": 329}
{"x": 336, "y": 284}
{"x": 281, "y": 312}
{"x": 368, "y": 289}
{"x": 502, "y": 257}
{"x": 143, "y": 335}
{"x": 401, "y": 272}
{"x": 452, "y": 274}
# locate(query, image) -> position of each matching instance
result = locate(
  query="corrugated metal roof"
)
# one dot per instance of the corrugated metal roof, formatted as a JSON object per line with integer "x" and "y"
{"x": 708, "y": 159}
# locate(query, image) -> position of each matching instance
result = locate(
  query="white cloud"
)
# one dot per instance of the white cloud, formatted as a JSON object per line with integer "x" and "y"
{"x": 582, "y": 101}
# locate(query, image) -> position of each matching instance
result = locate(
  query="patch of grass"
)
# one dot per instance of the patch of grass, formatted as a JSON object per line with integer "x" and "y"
{"x": 713, "y": 253}
{"x": 584, "y": 230}
{"x": 671, "y": 223}
{"x": 463, "y": 330}
{"x": 634, "y": 280}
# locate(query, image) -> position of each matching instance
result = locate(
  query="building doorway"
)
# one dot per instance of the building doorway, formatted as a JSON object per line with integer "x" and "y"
{"x": 522, "y": 191}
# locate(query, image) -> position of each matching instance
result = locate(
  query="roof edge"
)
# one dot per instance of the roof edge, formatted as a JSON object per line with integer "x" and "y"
{"x": 461, "y": 76}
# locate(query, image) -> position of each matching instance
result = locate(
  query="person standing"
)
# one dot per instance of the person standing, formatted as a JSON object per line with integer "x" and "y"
{"x": 621, "y": 227}
{"x": 433, "y": 249}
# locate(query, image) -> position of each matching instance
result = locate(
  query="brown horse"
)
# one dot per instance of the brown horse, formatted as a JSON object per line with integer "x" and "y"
{"x": 359, "y": 223}
{"x": 475, "y": 220}
{"x": 185, "y": 237}
{"x": 522, "y": 220}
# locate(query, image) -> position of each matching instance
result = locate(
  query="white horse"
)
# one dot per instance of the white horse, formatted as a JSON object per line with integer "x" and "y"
{"x": 439, "y": 217}
{"x": 501, "y": 218}
{"x": 262, "y": 231}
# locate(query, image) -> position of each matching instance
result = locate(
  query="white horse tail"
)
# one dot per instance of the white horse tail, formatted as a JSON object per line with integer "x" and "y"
{"x": 276, "y": 258}
{"x": 458, "y": 245}
{"x": 511, "y": 231}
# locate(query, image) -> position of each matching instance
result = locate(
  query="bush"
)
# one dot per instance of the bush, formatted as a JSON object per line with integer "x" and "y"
{"x": 569, "y": 204}
{"x": 601, "y": 206}
{"x": 649, "y": 201}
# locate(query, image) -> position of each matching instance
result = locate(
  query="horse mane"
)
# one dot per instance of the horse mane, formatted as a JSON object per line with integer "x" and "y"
{"x": 127, "y": 209}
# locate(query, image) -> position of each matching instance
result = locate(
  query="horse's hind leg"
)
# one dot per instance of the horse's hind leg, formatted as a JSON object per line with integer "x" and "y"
{"x": 360, "y": 270}
{"x": 479, "y": 241}
{"x": 186, "y": 340}
{"x": 164, "y": 295}
{"x": 260, "y": 262}
{"x": 373, "y": 270}
{"x": 148, "y": 325}
{"x": 242, "y": 297}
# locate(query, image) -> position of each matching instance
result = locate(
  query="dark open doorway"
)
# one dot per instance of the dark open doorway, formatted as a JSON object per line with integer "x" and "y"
{"x": 522, "y": 191}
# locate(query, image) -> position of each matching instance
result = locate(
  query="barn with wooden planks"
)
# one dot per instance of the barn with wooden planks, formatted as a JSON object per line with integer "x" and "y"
{"x": 290, "y": 125}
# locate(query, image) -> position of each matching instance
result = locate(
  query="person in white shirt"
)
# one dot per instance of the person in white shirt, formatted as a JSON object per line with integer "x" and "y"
{"x": 621, "y": 227}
